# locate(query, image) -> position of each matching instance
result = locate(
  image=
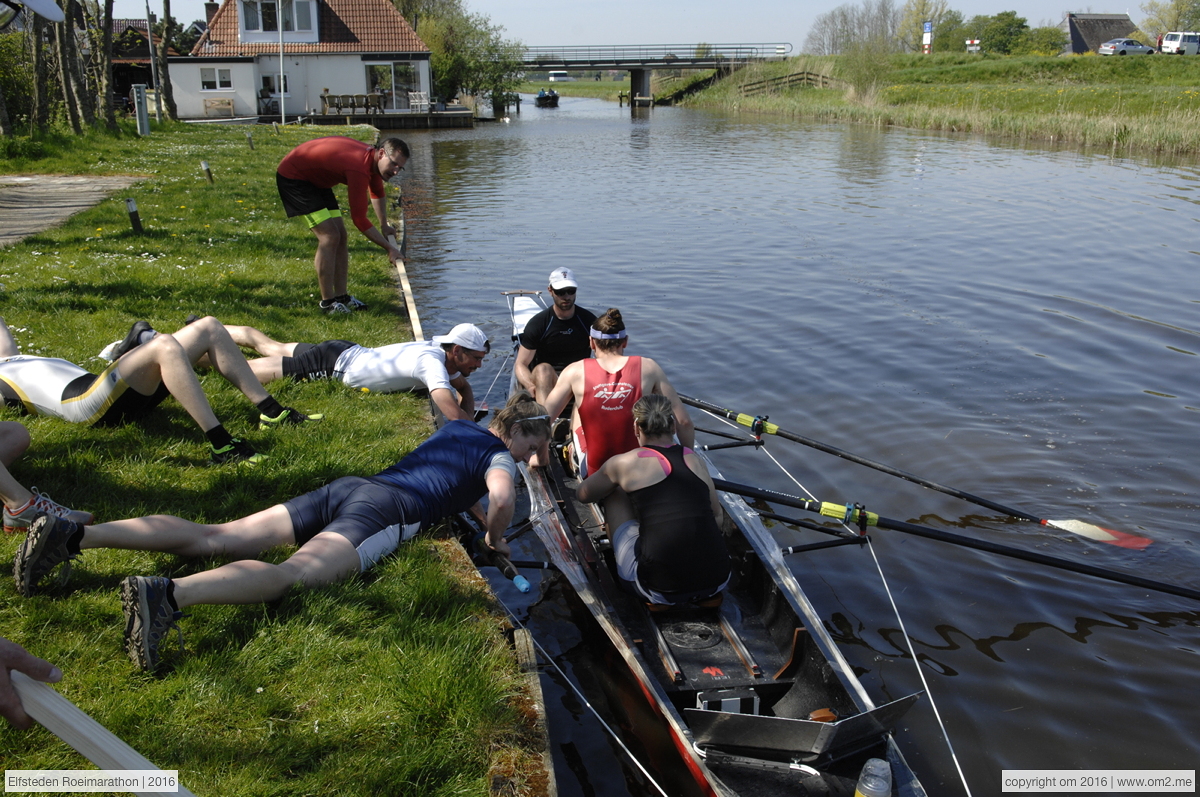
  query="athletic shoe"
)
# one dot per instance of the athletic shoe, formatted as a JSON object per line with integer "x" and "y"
{"x": 42, "y": 549}
{"x": 191, "y": 319}
{"x": 354, "y": 303}
{"x": 133, "y": 339}
{"x": 40, "y": 502}
{"x": 333, "y": 307}
{"x": 148, "y": 618}
{"x": 289, "y": 417}
{"x": 237, "y": 451}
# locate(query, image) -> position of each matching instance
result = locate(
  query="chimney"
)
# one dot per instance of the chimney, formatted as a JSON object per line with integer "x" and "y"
{"x": 210, "y": 10}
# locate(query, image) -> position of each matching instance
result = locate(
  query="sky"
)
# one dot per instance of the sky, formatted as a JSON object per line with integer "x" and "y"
{"x": 579, "y": 22}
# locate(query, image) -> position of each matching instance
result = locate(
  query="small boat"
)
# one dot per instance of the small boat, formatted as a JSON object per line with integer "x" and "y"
{"x": 547, "y": 99}
{"x": 748, "y": 697}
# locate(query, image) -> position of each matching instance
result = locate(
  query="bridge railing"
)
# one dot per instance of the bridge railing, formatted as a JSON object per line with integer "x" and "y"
{"x": 610, "y": 53}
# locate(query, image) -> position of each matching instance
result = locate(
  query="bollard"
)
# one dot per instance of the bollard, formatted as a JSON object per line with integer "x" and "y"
{"x": 250, "y": 140}
{"x": 131, "y": 206}
{"x": 276, "y": 126}
{"x": 207, "y": 173}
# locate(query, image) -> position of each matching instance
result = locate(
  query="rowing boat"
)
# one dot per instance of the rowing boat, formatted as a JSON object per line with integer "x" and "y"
{"x": 751, "y": 696}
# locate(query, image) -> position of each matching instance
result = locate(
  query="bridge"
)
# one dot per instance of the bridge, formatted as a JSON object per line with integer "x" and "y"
{"x": 640, "y": 59}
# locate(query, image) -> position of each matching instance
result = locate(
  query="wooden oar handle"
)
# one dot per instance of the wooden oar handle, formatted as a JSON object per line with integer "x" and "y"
{"x": 66, "y": 721}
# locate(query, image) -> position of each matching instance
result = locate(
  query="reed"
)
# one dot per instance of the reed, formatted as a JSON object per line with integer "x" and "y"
{"x": 1145, "y": 105}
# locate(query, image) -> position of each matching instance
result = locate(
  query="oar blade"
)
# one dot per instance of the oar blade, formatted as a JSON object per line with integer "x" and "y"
{"x": 1093, "y": 532}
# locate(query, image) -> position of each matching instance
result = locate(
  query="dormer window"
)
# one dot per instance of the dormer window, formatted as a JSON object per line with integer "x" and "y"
{"x": 263, "y": 15}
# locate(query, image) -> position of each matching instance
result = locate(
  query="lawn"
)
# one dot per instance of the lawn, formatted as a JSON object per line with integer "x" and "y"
{"x": 396, "y": 682}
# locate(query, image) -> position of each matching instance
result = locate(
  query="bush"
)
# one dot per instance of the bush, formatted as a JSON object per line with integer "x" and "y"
{"x": 22, "y": 148}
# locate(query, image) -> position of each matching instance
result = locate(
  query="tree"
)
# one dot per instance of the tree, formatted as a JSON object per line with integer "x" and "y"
{"x": 914, "y": 15}
{"x": 872, "y": 24}
{"x": 1167, "y": 15}
{"x": 1042, "y": 41}
{"x": 167, "y": 29}
{"x": 1002, "y": 33}
{"x": 469, "y": 54}
{"x": 950, "y": 35}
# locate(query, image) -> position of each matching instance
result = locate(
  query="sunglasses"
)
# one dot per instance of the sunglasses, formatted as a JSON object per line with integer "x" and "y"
{"x": 564, "y": 291}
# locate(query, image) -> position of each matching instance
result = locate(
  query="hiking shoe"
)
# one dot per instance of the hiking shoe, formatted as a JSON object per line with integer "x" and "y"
{"x": 289, "y": 417}
{"x": 354, "y": 303}
{"x": 133, "y": 339}
{"x": 238, "y": 450}
{"x": 334, "y": 307}
{"x": 149, "y": 616}
{"x": 42, "y": 549}
{"x": 20, "y": 519}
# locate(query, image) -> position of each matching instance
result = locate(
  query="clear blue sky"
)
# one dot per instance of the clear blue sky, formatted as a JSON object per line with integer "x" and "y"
{"x": 542, "y": 23}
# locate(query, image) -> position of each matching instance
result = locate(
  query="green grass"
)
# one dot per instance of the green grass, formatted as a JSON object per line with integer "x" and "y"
{"x": 1143, "y": 104}
{"x": 397, "y": 682}
{"x": 598, "y": 89}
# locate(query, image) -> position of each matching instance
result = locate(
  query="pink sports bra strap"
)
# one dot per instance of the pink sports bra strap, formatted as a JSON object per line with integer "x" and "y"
{"x": 662, "y": 460}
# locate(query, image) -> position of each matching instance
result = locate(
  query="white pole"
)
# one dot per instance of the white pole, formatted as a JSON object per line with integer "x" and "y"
{"x": 279, "y": 13}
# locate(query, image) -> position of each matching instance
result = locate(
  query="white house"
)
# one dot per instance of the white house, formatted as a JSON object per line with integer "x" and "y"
{"x": 334, "y": 46}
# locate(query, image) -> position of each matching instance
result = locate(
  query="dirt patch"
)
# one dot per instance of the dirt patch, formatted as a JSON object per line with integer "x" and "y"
{"x": 30, "y": 203}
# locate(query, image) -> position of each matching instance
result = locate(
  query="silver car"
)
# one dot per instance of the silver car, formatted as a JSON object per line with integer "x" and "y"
{"x": 1125, "y": 47}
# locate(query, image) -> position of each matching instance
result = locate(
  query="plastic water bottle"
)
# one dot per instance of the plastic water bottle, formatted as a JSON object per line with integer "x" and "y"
{"x": 875, "y": 780}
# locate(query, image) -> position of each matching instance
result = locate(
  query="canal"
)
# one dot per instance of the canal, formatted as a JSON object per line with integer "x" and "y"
{"x": 1018, "y": 322}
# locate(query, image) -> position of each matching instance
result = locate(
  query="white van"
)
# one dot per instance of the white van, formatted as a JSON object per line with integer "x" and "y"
{"x": 1181, "y": 42}
{"x": 560, "y": 76}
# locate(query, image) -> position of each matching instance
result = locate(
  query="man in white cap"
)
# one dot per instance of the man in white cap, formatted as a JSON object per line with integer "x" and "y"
{"x": 554, "y": 338}
{"x": 440, "y": 366}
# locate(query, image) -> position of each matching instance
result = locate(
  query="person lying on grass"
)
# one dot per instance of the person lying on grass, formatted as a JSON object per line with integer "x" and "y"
{"x": 341, "y": 529}
{"x": 143, "y": 373}
{"x": 440, "y": 366}
{"x": 21, "y": 506}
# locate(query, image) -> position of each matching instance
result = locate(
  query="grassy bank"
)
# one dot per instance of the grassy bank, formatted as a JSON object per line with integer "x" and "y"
{"x": 386, "y": 684}
{"x": 1143, "y": 104}
{"x": 597, "y": 89}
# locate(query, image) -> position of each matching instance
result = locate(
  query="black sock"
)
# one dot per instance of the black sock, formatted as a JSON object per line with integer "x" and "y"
{"x": 270, "y": 407}
{"x": 171, "y": 595}
{"x": 75, "y": 540}
{"x": 218, "y": 437}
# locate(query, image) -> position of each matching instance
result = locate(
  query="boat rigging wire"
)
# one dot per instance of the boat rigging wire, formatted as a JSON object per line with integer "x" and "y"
{"x": 579, "y": 694}
{"x": 499, "y": 373}
{"x": 895, "y": 610}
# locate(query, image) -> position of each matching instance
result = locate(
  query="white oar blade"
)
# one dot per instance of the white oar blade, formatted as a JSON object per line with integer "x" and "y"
{"x": 1101, "y": 534}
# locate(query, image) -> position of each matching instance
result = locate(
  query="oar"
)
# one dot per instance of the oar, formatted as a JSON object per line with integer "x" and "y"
{"x": 502, "y": 563}
{"x": 854, "y": 515}
{"x": 1080, "y": 527}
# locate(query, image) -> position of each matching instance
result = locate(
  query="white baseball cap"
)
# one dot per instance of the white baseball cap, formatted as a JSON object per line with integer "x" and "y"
{"x": 468, "y": 336}
{"x": 563, "y": 278}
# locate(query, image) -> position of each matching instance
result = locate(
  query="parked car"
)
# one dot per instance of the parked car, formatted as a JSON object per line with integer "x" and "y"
{"x": 1181, "y": 42}
{"x": 1128, "y": 47}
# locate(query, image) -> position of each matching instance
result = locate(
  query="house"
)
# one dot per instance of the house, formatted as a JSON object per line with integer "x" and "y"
{"x": 131, "y": 57}
{"x": 1089, "y": 31}
{"x": 329, "y": 46}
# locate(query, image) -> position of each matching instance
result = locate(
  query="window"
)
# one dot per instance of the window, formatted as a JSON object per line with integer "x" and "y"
{"x": 269, "y": 82}
{"x": 263, "y": 15}
{"x": 212, "y": 79}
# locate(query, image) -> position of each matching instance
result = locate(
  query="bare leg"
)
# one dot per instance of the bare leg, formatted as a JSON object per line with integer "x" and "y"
{"x": 14, "y": 440}
{"x": 333, "y": 257}
{"x": 544, "y": 380}
{"x": 163, "y": 360}
{"x": 8, "y": 345}
{"x": 325, "y": 559}
{"x": 618, "y": 509}
{"x": 251, "y": 338}
{"x": 207, "y": 336}
{"x": 243, "y": 537}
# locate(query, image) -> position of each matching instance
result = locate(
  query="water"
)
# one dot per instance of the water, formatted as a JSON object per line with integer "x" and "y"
{"x": 1015, "y": 322}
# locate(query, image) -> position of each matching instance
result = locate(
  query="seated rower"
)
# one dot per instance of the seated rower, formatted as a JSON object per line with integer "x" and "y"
{"x": 661, "y": 508}
{"x": 340, "y": 529}
{"x": 441, "y": 366}
{"x": 605, "y": 389}
{"x": 554, "y": 338}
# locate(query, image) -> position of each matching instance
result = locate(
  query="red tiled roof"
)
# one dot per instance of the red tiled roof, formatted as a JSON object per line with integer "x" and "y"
{"x": 345, "y": 26}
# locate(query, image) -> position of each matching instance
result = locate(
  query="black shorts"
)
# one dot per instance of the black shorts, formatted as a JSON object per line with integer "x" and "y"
{"x": 132, "y": 406}
{"x": 309, "y": 361}
{"x": 375, "y": 518}
{"x": 300, "y": 197}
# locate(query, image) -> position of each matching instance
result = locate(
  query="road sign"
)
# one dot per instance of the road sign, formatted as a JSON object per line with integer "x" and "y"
{"x": 929, "y": 27}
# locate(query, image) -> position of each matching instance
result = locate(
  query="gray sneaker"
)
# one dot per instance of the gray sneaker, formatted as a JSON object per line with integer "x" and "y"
{"x": 148, "y": 618}
{"x": 39, "y": 503}
{"x": 334, "y": 307}
{"x": 42, "y": 549}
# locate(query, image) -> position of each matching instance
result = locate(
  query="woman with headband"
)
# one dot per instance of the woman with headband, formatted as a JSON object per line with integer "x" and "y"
{"x": 340, "y": 529}
{"x": 605, "y": 389}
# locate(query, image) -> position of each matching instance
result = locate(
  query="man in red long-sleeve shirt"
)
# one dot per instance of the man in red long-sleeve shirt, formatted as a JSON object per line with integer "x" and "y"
{"x": 306, "y": 177}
